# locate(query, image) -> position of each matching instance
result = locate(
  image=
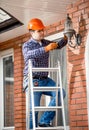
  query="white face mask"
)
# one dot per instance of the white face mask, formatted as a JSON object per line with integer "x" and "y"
{"x": 38, "y": 35}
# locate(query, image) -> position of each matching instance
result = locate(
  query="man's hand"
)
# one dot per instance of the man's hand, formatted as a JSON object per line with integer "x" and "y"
{"x": 51, "y": 46}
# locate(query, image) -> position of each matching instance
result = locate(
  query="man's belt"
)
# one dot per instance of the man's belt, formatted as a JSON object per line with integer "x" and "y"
{"x": 39, "y": 77}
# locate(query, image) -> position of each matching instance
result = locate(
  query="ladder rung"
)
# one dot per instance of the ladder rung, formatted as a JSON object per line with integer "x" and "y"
{"x": 48, "y": 108}
{"x": 45, "y": 88}
{"x": 45, "y": 69}
{"x": 50, "y": 128}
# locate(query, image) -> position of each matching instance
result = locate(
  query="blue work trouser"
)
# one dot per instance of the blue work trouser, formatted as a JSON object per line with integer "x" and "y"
{"x": 47, "y": 116}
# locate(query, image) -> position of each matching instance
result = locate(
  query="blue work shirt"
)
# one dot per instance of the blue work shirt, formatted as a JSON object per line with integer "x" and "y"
{"x": 36, "y": 53}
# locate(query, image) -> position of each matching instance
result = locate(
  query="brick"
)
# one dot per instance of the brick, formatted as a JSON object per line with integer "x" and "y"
{"x": 82, "y": 111}
{"x": 85, "y": 123}
{"x": 84, "y": 5}
{"x": 72, "y": 10}
{"x": 75, "y": 106}
{"x": 77, "y": 118}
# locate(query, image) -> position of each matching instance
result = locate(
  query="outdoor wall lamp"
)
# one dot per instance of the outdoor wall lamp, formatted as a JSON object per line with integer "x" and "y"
{"x": 70, "y": 32}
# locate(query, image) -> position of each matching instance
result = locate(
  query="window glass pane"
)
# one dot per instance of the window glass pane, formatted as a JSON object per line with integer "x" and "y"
{"x": 3, "y": 16}
{"x": 8, "y": 91}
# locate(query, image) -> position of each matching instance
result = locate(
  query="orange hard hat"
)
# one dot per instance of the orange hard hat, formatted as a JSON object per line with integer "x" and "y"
{"x": 35, "y": 24}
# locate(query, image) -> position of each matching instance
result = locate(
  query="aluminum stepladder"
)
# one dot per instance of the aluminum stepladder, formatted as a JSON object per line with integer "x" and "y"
{"x": 32, "y": 89}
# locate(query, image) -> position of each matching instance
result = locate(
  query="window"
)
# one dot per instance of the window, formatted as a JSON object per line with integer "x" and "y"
{"x": 8, "y": 84}
{"x": 7, "y": 21}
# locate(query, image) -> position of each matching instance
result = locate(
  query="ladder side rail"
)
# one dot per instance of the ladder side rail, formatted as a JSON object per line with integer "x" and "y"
{"x": 56, "y": 117}
{"x": 61, "y": 94}
{"x": 28, "y": 111}
{"x": 28, "y": 101}
{"x": 31, "y": 93}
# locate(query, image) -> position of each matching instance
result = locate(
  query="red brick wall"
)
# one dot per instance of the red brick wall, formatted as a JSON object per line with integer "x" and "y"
{"x": 19, "y": 99}
{"x": 76, "y": 70}
{"x": 19, "y": 96}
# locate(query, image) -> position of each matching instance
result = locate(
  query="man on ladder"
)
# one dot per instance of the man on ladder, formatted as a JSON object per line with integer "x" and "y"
{"x": 36, "y": 49}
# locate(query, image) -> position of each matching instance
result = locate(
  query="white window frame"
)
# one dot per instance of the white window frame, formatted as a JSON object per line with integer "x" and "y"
{"x": 3, "y": 54}
{"x": 87, "y": 72}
